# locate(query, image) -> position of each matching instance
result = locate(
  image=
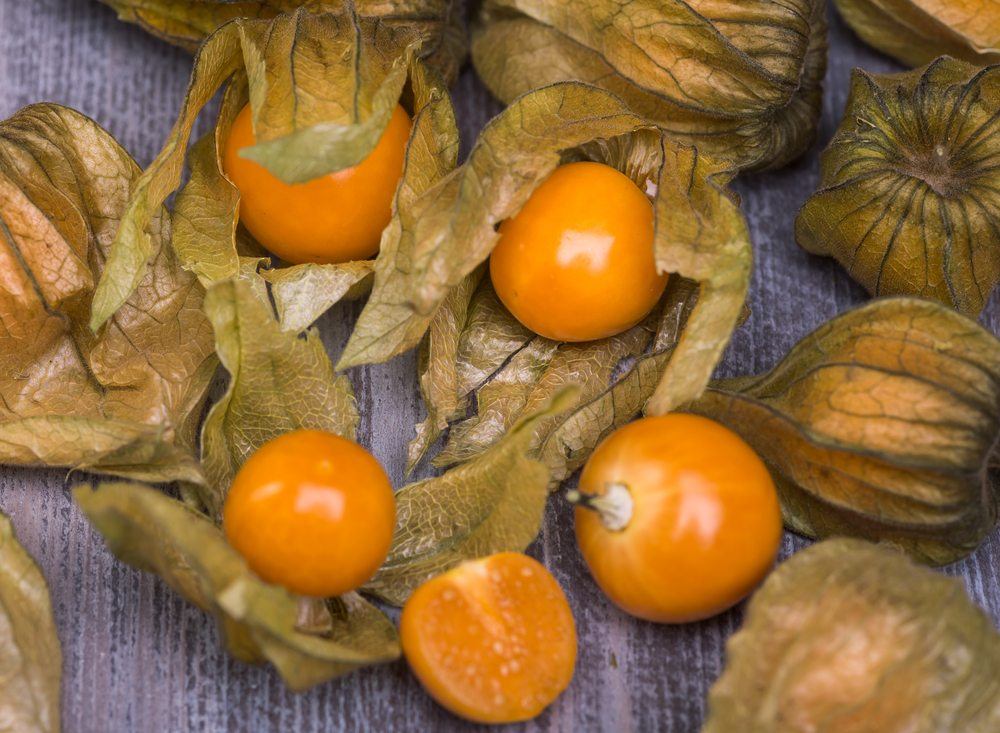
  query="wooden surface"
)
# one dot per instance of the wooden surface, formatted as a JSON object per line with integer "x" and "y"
{"x": 137, "y": 658}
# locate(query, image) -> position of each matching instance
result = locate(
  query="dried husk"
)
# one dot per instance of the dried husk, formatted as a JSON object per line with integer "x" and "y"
{"x": 126, "y": 399}
{"x": 30, "y": 655}
{"x": 492, "y": 503}
{"x": 739, "y": 79}
{"x": 917, "y": 31}
{"x": 257, "y": 621}
{"x": 279, "y": 382}
{"x": 851, "y": 637}
{"x": 322, "y": 88}
{"x": 909, "y": 201}
{"x": 882, "y": 424}
{"x": 429, "y": 281}
{"x": 186, "y": 23}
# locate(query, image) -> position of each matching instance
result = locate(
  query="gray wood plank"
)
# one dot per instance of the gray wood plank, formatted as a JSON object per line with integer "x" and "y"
{"x": 139, "y": 659}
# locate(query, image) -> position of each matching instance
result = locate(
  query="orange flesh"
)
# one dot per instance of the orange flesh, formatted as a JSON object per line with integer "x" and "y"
{"x": 576, "y": 263}
{"x": 492, "y": 640}
{"x": 706, "y": 523}
{"x": 336, "y": 218}
{"x": 313, "y": 512}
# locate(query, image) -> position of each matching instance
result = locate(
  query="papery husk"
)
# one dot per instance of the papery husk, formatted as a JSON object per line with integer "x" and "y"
{"x": 909, "y": 201}
{"x": 882, "y": 424}
{"x": 126, "y": 399}
{"x": 258, "y": 622}
{"x": 322, "y": 88}
{"x": 917, "y": 31}
{"x": 492, "y": 503}
{"x": 850, "y": 637}
{"x": 186, "y": 23}
{"x": 739, "y": 80}
{"x": 30, "y": 654}
{"x": 429, "y": 278}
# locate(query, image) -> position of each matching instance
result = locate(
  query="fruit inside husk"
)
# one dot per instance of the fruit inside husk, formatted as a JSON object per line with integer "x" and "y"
{"x": 851, "y": 637}
{"x": 883, "y": 424}
{"x": 741, "y": 80}
{"x": 910, "y": 194}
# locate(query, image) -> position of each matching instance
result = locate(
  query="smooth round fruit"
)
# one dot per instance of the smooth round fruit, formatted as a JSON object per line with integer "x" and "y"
{"x": 336, "y": 218}
{"x": 313, "y": 512}
{"x": 576, "y": 263}
{"x": 492, "y": 640}
{"x": 677, "y": 518}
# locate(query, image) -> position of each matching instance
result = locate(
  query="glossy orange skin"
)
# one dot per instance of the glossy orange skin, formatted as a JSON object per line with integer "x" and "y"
{"x": 336, "y": 218}
{"x": 313, "y": 512}
{"x": 706, "y": 524}
{"x": 576, "y": 263}
{"x": 492, "y": 640}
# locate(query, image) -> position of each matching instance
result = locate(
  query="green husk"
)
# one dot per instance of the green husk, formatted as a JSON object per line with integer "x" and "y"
{"x": 910, "y": 193}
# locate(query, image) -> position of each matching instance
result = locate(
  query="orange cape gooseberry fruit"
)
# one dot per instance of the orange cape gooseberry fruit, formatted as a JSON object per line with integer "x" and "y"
{"x": 338, "y": 217}
{"x": 311, "y": 511}
{"x": 492, "y": 640}
{"x": 677, "y": 518}
{"x": 576, "y": 262}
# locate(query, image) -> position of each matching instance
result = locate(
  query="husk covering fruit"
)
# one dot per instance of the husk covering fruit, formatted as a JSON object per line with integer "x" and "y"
{"x": 910, "y": 193}
{"x": 882, "y": 424}
{"x": 322, "y": 88}
{"x": 126, "y": 399}
{"x": 740, "y": 80}
{"x": 851, "y": 637}
{"x": 916, "y": 31}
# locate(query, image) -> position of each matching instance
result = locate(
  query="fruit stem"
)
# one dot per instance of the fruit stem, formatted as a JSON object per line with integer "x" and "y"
{"x": 614, "y": 506}
{"x": 314, "y": 617}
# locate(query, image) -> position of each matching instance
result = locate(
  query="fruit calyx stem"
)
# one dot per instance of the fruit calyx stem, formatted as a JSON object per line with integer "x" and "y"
{"x": 614, "y": 506}
{"x": 314, "y": 617}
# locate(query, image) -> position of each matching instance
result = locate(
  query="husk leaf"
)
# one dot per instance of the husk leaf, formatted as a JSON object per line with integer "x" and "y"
{"x": 910, "y": 193}
{"x": 125, "y": 400}
{"x": 30, "y": 654}
{"x": 493, "y": 503}
{"x": 848, "y": 636}
{"x": 155, "y": 533}
{"x": 321, "y": 87}
{"x": 739, "y": 80}
{"x": 186, "y": 23}
{"x": 918, "y": 31}
{"x": 278, "y": 382}
{"x": 881, "y": 424}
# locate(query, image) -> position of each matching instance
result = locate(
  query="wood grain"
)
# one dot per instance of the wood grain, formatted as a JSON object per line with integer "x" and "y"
{"x": 139, "y": 659}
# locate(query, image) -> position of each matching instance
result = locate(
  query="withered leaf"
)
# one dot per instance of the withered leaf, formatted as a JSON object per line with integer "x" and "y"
{"x": 917, "y": 31}
{"x": 848, "y": 636}
{"x": 153, "y": 532}
{"x": 491, "y": 504}
{"x": 186, "y": 23}
{"x": 881, "y": 424}
{"x": 738, "y": 79}
{"x": 30, "y": 655}
{"x": 125, "y": 400}
{"x": 278, "y": 382}
{"x": 322, "y": 88}
{"x": 909, "y": 201}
